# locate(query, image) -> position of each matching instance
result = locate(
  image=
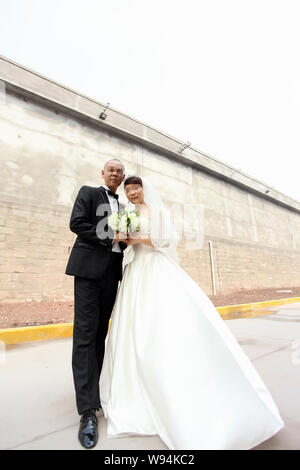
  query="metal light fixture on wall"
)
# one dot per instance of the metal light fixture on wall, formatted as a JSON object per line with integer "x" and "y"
{"x": 184, "y": 147}
{"x": 103, "y": 115}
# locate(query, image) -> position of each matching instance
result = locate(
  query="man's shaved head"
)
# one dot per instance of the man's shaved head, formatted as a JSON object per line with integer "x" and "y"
{"x": 114, "y": 160}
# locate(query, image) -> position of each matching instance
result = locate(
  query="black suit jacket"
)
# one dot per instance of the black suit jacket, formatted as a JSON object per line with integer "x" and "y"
{"x": 92, "y": 250}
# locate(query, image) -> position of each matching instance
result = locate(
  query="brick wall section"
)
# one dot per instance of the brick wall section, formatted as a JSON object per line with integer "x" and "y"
{"x": 239, "y": 265}
{"x": 34, "y": 247}
{"x": 46, "y": 156}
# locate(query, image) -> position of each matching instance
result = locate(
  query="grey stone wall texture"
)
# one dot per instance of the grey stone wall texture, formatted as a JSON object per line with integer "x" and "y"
{"x": 52, "y": 142}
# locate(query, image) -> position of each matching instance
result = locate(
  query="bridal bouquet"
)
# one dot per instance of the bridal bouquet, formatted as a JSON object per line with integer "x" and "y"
{"x": 124, "y": 221}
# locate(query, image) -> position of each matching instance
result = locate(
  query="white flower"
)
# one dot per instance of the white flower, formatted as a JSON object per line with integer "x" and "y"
{"x": 134, "y": 221}
{"x": 113, "y": 221}
{"x": 123, "y": 223}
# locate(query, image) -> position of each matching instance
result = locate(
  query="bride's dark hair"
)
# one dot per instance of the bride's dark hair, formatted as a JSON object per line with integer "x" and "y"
{"x": 133, "y": 180}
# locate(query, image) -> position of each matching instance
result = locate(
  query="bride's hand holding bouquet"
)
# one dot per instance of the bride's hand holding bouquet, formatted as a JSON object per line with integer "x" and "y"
{"x": 126, "y": 224}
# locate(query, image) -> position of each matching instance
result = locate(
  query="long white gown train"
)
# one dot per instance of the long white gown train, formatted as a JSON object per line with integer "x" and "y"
{"x": 172, "y": 367}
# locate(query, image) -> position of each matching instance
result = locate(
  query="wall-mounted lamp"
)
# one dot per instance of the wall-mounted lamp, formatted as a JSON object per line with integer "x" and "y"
{"x": 102, "y": 115}
{"x": 184, "y": 147}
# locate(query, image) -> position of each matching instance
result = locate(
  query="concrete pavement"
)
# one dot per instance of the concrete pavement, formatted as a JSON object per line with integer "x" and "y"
{"x": 37, "y": 402}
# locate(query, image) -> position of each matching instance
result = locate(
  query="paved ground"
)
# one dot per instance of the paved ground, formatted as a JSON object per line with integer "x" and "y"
{"x": 37, "y": 406}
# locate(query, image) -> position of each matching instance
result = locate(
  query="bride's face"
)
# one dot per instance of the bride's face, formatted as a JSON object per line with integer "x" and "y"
{"x": 134, "y": 193}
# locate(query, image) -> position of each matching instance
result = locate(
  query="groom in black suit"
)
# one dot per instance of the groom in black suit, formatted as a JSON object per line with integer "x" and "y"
{"x": 96, "y": 264}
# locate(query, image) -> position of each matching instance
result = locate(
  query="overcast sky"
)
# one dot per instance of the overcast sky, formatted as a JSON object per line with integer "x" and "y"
{"x": 221, "y": 74}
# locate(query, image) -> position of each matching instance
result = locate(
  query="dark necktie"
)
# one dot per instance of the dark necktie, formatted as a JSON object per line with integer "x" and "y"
{"x": 116, "y": 196}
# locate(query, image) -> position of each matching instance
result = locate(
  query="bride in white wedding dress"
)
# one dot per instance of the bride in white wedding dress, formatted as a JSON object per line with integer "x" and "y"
{"x": 172, "y": 367}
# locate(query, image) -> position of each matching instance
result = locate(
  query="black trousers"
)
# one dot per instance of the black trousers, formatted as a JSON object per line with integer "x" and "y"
{"x": 93, "y": 304}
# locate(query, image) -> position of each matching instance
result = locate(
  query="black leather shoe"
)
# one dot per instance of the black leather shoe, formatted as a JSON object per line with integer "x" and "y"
{"x": 88, "y": 429}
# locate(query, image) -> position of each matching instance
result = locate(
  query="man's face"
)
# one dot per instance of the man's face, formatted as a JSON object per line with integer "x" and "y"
{"x": 113, "y": 174}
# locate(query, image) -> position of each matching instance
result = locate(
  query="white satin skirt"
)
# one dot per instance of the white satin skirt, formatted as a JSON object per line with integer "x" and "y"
{"x": 172, "y": 367}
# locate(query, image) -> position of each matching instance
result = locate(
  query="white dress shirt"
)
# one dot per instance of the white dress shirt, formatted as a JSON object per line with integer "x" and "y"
{"x": 114, "y": 208}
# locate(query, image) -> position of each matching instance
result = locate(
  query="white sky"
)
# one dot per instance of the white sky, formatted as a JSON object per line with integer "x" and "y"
{"x": 223, "y": 75}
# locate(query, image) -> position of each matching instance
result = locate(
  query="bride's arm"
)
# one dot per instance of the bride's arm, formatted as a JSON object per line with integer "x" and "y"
{"x": 135, "y": 240}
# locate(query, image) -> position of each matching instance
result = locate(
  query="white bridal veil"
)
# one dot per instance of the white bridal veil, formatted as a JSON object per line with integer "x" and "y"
{"x": 162, "y": 230}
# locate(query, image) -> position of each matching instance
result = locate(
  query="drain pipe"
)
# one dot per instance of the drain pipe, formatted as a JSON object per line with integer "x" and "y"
{"x": 212, "y": 266}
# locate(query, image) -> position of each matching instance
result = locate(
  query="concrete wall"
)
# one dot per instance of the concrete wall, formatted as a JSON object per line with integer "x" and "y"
{"x": 52, "y": 142}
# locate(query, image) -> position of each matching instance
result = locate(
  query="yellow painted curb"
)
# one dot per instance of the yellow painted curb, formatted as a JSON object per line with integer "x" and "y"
{"x": 65, "y": 330}
{"x": 252, "y": 307}
{"x": 36, "y": 333}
